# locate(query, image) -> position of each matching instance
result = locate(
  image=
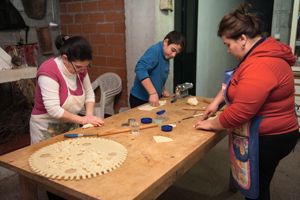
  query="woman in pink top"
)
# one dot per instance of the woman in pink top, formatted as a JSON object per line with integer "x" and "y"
{"x": 259, "y": 93}
{"x": 63, "y": 88}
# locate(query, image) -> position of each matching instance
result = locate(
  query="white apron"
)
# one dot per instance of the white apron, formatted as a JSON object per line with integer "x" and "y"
{"x": 44, "y": 126}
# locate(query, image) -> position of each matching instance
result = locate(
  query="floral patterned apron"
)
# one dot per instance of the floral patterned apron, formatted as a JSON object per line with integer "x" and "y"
{"x": 244, "y": 151}
{"x": 244, "y": 145}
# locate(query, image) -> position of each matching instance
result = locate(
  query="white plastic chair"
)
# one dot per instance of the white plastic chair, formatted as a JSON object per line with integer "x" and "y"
{"x": 110, "y": 85}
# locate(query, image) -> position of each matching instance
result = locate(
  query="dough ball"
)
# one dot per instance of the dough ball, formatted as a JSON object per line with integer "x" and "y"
{"x": 87, "y": 126}
{"x": 192, "y": 101}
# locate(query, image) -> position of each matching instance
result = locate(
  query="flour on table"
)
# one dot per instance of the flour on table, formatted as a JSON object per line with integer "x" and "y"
{"x": 148, "y": 107}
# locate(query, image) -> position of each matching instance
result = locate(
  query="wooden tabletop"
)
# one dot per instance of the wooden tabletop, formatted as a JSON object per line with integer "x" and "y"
{"x": 149, "y": 169}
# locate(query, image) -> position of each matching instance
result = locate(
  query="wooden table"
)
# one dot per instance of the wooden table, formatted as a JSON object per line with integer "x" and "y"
{"x": 149, "y": 169}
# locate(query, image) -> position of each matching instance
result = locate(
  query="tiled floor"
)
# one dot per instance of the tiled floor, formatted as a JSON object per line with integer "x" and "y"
{"x": 207, "y": 180}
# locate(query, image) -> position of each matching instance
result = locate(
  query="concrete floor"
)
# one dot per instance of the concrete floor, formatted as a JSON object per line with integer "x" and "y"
{"x": 207, "y": 180}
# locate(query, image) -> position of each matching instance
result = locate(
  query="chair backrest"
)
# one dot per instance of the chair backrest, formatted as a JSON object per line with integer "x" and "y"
{"x": 110, "y": 85}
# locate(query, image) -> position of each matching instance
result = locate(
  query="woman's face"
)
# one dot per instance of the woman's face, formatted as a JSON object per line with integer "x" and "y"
{"x": 171, "y": 50}
{"x": 235, "y": 47}
{"x": 76, "y": 66}
{"x": 80, "y": 66}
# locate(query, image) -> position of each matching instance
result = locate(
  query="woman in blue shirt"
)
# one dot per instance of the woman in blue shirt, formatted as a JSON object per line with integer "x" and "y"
{"x": 152, "y": 70}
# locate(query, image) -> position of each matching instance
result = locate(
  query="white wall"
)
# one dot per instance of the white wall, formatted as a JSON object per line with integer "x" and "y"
{"x": 140, "y": 26}
{"x": 164, "y": 24}
{"x": 145, "y": 25}
{"x": 212, "y": 57}
{"x": 281, "y": 21}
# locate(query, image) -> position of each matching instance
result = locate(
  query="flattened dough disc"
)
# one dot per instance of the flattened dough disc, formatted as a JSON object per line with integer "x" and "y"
{"x": 78, "y": 158}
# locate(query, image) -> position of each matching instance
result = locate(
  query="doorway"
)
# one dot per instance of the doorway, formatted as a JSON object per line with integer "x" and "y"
{"x": 264, "y": 9}
{"x": 186, "y": 14}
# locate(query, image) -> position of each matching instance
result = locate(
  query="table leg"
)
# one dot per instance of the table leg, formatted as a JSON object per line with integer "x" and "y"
{"x": 29, "y": 189}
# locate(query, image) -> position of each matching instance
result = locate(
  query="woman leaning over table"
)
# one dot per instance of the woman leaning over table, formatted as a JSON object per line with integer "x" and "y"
{"x": 259, "y": 94}
{"x": 63, "y": 88}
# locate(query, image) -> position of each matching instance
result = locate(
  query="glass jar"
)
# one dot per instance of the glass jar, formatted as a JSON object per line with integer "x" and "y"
{"x": 160, "y": 116}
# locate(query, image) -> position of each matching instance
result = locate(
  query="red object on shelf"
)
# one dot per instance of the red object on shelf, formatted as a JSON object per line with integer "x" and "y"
{"x": 30, "y": 52}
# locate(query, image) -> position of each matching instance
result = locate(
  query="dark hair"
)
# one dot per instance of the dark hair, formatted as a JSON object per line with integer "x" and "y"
{"x": 174, "y": 37}
{"x": 239, "y": 22}
{"x": 75, "y": 47}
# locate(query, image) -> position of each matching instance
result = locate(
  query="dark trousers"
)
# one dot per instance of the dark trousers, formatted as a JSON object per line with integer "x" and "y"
{"x": 272, "y": 149}
{"x": 135, "y": 102}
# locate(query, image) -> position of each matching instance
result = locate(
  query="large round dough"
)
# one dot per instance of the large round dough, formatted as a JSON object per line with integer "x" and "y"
{"x": 78, "y": 158}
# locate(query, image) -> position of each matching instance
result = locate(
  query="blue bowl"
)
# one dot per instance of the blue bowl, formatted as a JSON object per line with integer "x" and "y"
{"x": 146, "y": 120}
{"x": 166, "y": 128}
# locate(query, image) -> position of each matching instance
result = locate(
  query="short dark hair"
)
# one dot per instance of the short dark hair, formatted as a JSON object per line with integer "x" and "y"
{"x": 175, "y": 37}
{"x": 75, "y": 47}
{"x": 241, "y": 21}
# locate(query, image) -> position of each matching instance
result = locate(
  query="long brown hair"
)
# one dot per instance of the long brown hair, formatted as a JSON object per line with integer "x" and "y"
{"x": 241, "y": 21}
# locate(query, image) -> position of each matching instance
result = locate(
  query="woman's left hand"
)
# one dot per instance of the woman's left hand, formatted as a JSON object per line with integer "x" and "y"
{"x": 95, "y": 121}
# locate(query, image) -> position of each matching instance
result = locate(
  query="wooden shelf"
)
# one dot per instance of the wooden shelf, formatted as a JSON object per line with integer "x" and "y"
{"x": 17, "y": 74}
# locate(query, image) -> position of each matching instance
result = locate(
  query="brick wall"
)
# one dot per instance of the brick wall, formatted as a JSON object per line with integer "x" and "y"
{"x": 102, "y": 23}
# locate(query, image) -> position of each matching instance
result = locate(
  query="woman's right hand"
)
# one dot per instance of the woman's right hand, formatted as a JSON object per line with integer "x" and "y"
{"x": 154, "y": 100}
{"x": 210, "y": 110}
{"x": 95, "y": 121}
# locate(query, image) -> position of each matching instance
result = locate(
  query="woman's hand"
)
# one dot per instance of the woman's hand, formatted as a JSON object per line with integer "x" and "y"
{"x": 207, "y": 121}
{"x": 210, "y": 110}
{"x": 210, "y": 124}
{"x": 203, "y": 124}
{"x": 95, "y": 121}
{"x": 154, "y": 100}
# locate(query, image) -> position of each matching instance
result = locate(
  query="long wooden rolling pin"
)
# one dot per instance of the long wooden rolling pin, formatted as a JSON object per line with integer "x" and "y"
{"x": 110, "y": 132}
{"x": 195, "y": 109}
{"x": 206, "y": 101}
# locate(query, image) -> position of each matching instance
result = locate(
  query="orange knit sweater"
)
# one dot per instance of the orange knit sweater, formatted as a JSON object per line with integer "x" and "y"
{"x": 263, "y": 85}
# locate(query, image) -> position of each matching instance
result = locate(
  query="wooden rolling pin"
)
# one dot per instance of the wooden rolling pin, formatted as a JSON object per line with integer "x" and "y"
{"x": 195, "y": 109}
{"x": 111, "y": 132}
{"x": 206, "y": 101}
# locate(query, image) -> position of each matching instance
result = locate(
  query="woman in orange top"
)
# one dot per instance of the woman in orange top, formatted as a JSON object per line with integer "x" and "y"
{"x": 259, "y": 93}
